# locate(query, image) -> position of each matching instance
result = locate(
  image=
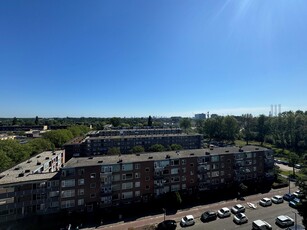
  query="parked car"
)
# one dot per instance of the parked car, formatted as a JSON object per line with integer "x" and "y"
{"x": 265, "y": 202}
{"x": 223, "y": 212}
{"x": 284, "y": 221}
{"x": 297, "y": 166}
{"x": 261, "y": 225}
{"x": 296, "y": 227}
{"x": 187, "y": 221}
{"x": 237, "y": 208}
{"x": 277, "y": 199}
{"x": 288, "y": 197}
{"x": 294, "y": 203}
{"x": 208, "y": 216}
{"x": 167, "y": 225}
{"x": 298, "y": 194}
{"x": 240, "y": 218}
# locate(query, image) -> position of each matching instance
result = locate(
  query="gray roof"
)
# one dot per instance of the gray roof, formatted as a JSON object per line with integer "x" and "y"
{"x": 129, "y": 158}
{"x": 13, "y": 175}
{"x": 141, "y": 136}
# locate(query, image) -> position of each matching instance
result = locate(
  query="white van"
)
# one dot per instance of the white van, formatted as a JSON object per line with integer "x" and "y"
{"x": 261, "y": 225}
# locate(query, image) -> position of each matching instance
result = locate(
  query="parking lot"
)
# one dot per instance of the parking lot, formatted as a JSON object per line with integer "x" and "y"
{"x": 268, "y": 214}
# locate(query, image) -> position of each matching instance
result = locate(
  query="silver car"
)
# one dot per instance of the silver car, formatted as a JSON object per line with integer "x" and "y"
{"x": 284, "y": 221}
{"x": 277, "y": 199}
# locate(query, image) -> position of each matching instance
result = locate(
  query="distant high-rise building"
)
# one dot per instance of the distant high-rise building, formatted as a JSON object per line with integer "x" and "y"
{"x": 200, "y": 116}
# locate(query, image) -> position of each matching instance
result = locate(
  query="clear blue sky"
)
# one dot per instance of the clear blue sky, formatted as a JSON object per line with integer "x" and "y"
{"x": 151, "y": 57}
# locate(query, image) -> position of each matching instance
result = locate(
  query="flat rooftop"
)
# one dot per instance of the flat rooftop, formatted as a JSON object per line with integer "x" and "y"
{"x": 26, "y": 168}
{"x": 142, "y": 136}
{"x": 130, "y": 158}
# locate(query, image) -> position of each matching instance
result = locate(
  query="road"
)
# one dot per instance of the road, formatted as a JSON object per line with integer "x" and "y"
{"x": 286, "y": 168}
{"x": 267, "y": 214}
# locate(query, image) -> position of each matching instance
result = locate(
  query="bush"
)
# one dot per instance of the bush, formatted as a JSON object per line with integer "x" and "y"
{"x": 277, "y": 185}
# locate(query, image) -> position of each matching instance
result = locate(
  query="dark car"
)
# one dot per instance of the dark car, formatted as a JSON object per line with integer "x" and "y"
{"x": 294, "y": 203}
{"x": 208, "y": 216}
{"x": 288, "y": 197}
{"x": 167, "y": 225}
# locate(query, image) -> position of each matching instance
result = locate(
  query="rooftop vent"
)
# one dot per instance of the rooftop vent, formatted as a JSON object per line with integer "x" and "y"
{"x": 226, "y": 151}
{"x": 211, "y": 148}
{"x": 100, "y": 161}
{"x": 38, "y": 156}
{"x": 207, "y": 153}
{"x": 47, "y": 158}
{"x": 38, "y": 163}
{"x": 1, "y": 176}
{"x": 150, "y": 157}
{"x": 191, "y": 154}
{"x": 168, "y": 156}
{"x": 241, "y": 150}
{"x": 120, "y": 161}
{"x": 90, "y": 158}
{"x": 27, "y": 170}
{"x": 256, "y": 148}
{"x": 17, "y": 168}
{"x": 29, "y": 161}
{"x": 53, "y": 153}
{"x": 21, "y": 174}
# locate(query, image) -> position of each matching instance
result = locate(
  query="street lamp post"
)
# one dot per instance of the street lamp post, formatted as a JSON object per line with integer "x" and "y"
{"x": 295, "y": 220}
{"x": 164, "y": 211}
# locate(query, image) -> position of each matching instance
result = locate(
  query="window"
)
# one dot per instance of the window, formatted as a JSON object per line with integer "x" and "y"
{"x": 81, "y": 192}
{"x": 174, "y": 171}
{"x": 68, "y": 193}
{"x": 147, "y": 187}
{"x": 137, "y": 184}
{"x": 93, "y": 175}
{"x": 137, "y": 193}
{"x": 137, "y": 175}
{"x": 127, "y": 185}
{"x": 147, "y": 169}
{"x": 80, "y": 201}
{"x": 174, "y": 162}
{"x": 215, "y": 158}
{"x": 81, "y": 182}
{"x": 184, "y": 170}
{"x": 93, "y": 185}
{"x": 183, "y": 162}
{"x": 80, "y": 172}
{"x": 68, "y": 203}
{"x": 192, "y": 164}
{"x": 127, "y": 167}
{"x": 127, "y": 195}
{"x": 215, "y": 174}
{"x": 192, "y": 181}
{"x": 147, "y": 178}
{"x": 137, "y": 166}
{"x": 183, "y": 186}
{"x": 183, "y": 178}
{"x": 116, "y": 177}
{"x": 191, "y": 173}
{"x": 68, "y": 183}
{"x": 175, "y": 187}
{"x": 116, "y": 187}
{"x": 93, "y": 195}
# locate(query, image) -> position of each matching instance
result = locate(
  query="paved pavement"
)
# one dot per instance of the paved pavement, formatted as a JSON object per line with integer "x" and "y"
{"x": 195, "y": 211}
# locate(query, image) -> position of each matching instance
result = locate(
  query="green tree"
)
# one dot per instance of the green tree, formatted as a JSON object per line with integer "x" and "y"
{"x": 185, "y": 123}
{"x": 302, "y": 208}
{"x": 115, "y": 121}
{"x": 138, "y": 149}
{"x": 14, "y": 122}
{"x": 230, "y": 128}
{"x": 36, "y": 120}
{"x": 247, "y": 126}
{"x": 176, "y": 147}
{"x": 5, "y": 161}
{"x": 262, "y": 128}
{"x": 114, "y": 151}
{"x": 156, "y": 148}
{"x": 149, "y": 122}
{"x": 293, "y": 159}
{"x": 58, "y": 137}
{"x": 39, "y": 145}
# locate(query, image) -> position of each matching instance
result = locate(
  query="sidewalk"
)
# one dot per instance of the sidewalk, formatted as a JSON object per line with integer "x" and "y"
{"x": 195, "y": 211}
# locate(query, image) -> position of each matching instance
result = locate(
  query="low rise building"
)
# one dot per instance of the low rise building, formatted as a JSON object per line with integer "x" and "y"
{"x": 31, "y": 187}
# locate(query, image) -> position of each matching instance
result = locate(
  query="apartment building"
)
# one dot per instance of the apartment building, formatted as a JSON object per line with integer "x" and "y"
{"x": 100, "y": 145}
{"x": 134, "y": 131}
{"x": 106, "y": 181}
{"x": 31, "y": 187}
